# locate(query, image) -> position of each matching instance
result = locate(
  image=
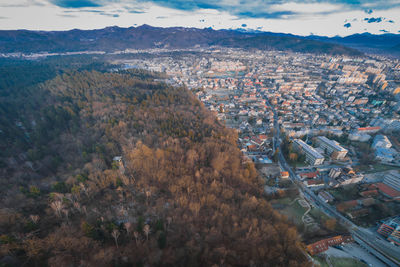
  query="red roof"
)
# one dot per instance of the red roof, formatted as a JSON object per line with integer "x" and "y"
{"x": 311, "y": 182}
{"x": 262, "y": 137}
{"x": 369, "y": 128}
{"x": 324, "y": 244}
{"x": 309, "y": 174}
{"x": 387, "y": 190}
{"x": 372, "y": 192}
{"x": 285, "y": 174}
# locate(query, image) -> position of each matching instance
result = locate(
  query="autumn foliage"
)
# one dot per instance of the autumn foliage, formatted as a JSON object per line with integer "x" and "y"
{"x": 180, "y": 197}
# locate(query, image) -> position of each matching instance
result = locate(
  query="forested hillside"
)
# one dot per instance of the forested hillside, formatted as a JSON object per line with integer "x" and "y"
{"x": 180, "y": 196}
{"x": 113, "y": 39}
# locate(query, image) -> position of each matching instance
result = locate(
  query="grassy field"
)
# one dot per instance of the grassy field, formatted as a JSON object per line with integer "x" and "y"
{"x": 295, "y": 211}
{"x": 346, "y": 193}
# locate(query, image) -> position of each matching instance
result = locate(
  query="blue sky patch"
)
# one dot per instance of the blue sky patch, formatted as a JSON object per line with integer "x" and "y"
{"x": 75, "y": 3}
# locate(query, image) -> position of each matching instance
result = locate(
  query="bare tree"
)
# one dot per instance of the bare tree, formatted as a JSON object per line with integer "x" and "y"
{"x": 128, "y": 227}
{"x": 34, "y": 218}
{"x": 148, "y": 195}
{"x": 115, "y": 233}
{"x": 146, "y": 230}
{"x": 57, "y": 206}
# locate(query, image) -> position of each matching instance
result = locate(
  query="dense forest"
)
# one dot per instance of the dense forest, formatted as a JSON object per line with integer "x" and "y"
{"x": 111, "y": 168}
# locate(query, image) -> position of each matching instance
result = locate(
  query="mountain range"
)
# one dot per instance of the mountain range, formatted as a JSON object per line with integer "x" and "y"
{"x": 143, "y": 37}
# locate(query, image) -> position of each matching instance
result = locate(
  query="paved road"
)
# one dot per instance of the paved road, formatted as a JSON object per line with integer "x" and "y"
{"x": 354, "y": 251}
{"x": 380, "y": 249}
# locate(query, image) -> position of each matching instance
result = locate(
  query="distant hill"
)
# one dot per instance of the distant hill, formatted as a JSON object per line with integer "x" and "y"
{"x": 295, "y": 44}
{"x": 384, "y": 43}
{"x": 115, "y": 38}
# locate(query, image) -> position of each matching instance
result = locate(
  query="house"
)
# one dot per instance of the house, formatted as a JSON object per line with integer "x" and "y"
{"x": 381, "y": 141}
{"x": 324, "y": 244}
{"x": 309, "y": 175}
{"x": 369, "y": 193}
{"x": 314, "y": 183}
{"x": 387, "y": 191}
{"x": 284, "y": 174}
{"x": 385, "y": 154}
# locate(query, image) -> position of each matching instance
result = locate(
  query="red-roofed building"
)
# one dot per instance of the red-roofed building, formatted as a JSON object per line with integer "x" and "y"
{"x": 262, "y": 137}
{"x": 284, "y": 175}
{"x": 369, "y": 129}
{"x": 347, "y": 205}
{"x": 309, "y": 175}
{"x": 312, "y": 183}
{"x": 387, "y": 191}
{"x": 370, "y": 193}
{"x": 323, "y": 245}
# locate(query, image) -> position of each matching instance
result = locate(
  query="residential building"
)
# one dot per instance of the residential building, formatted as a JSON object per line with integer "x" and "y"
{"x": 332, "y": 147}
{"x": 392, "y": 179}
{"x": 391, "y": 230}
{"x": 312, "y": 156}
{"x": 381, "y": 141}
{"x": 323, "y": 245}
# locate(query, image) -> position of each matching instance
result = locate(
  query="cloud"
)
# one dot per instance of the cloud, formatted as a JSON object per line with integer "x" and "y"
{"x": 265, "y": 9}
{"x": 347, "y": 25}
{"x": 109, "y": 14}
{"x": 67, "y": 16}
{"x": 75, "y": 3}
{"x": 374, "y": 20}
{"x": 136, "y": 12}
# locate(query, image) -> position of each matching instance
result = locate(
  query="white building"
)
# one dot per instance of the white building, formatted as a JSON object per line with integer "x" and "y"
{"x": 332, "y": 147}
{"x": 312, "y": 156}
{"x": 381, "y": 141}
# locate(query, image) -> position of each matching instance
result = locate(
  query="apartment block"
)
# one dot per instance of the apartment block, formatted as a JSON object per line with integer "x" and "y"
{"x": 312, "y": 156}
{"x": 332, "y": 147}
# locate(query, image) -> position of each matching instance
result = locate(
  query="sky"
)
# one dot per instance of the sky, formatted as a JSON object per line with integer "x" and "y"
{"x": 306, "y": 17}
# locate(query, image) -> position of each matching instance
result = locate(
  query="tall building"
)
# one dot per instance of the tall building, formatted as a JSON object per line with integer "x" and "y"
{"x": 312, "y": 155}
{"x": 332, "y": 147}
{"x": 392, "y": 179}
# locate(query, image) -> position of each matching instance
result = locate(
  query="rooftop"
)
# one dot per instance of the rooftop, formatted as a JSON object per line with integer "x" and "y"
{"x": 309, "y": 149}
{"x": 331, "y": 143}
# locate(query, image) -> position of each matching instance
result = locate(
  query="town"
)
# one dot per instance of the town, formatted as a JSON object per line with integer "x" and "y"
{"x": 323, "y": 131}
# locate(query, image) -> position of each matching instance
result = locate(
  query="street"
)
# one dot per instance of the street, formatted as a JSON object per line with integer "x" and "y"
{"x": 382, "y": 250}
